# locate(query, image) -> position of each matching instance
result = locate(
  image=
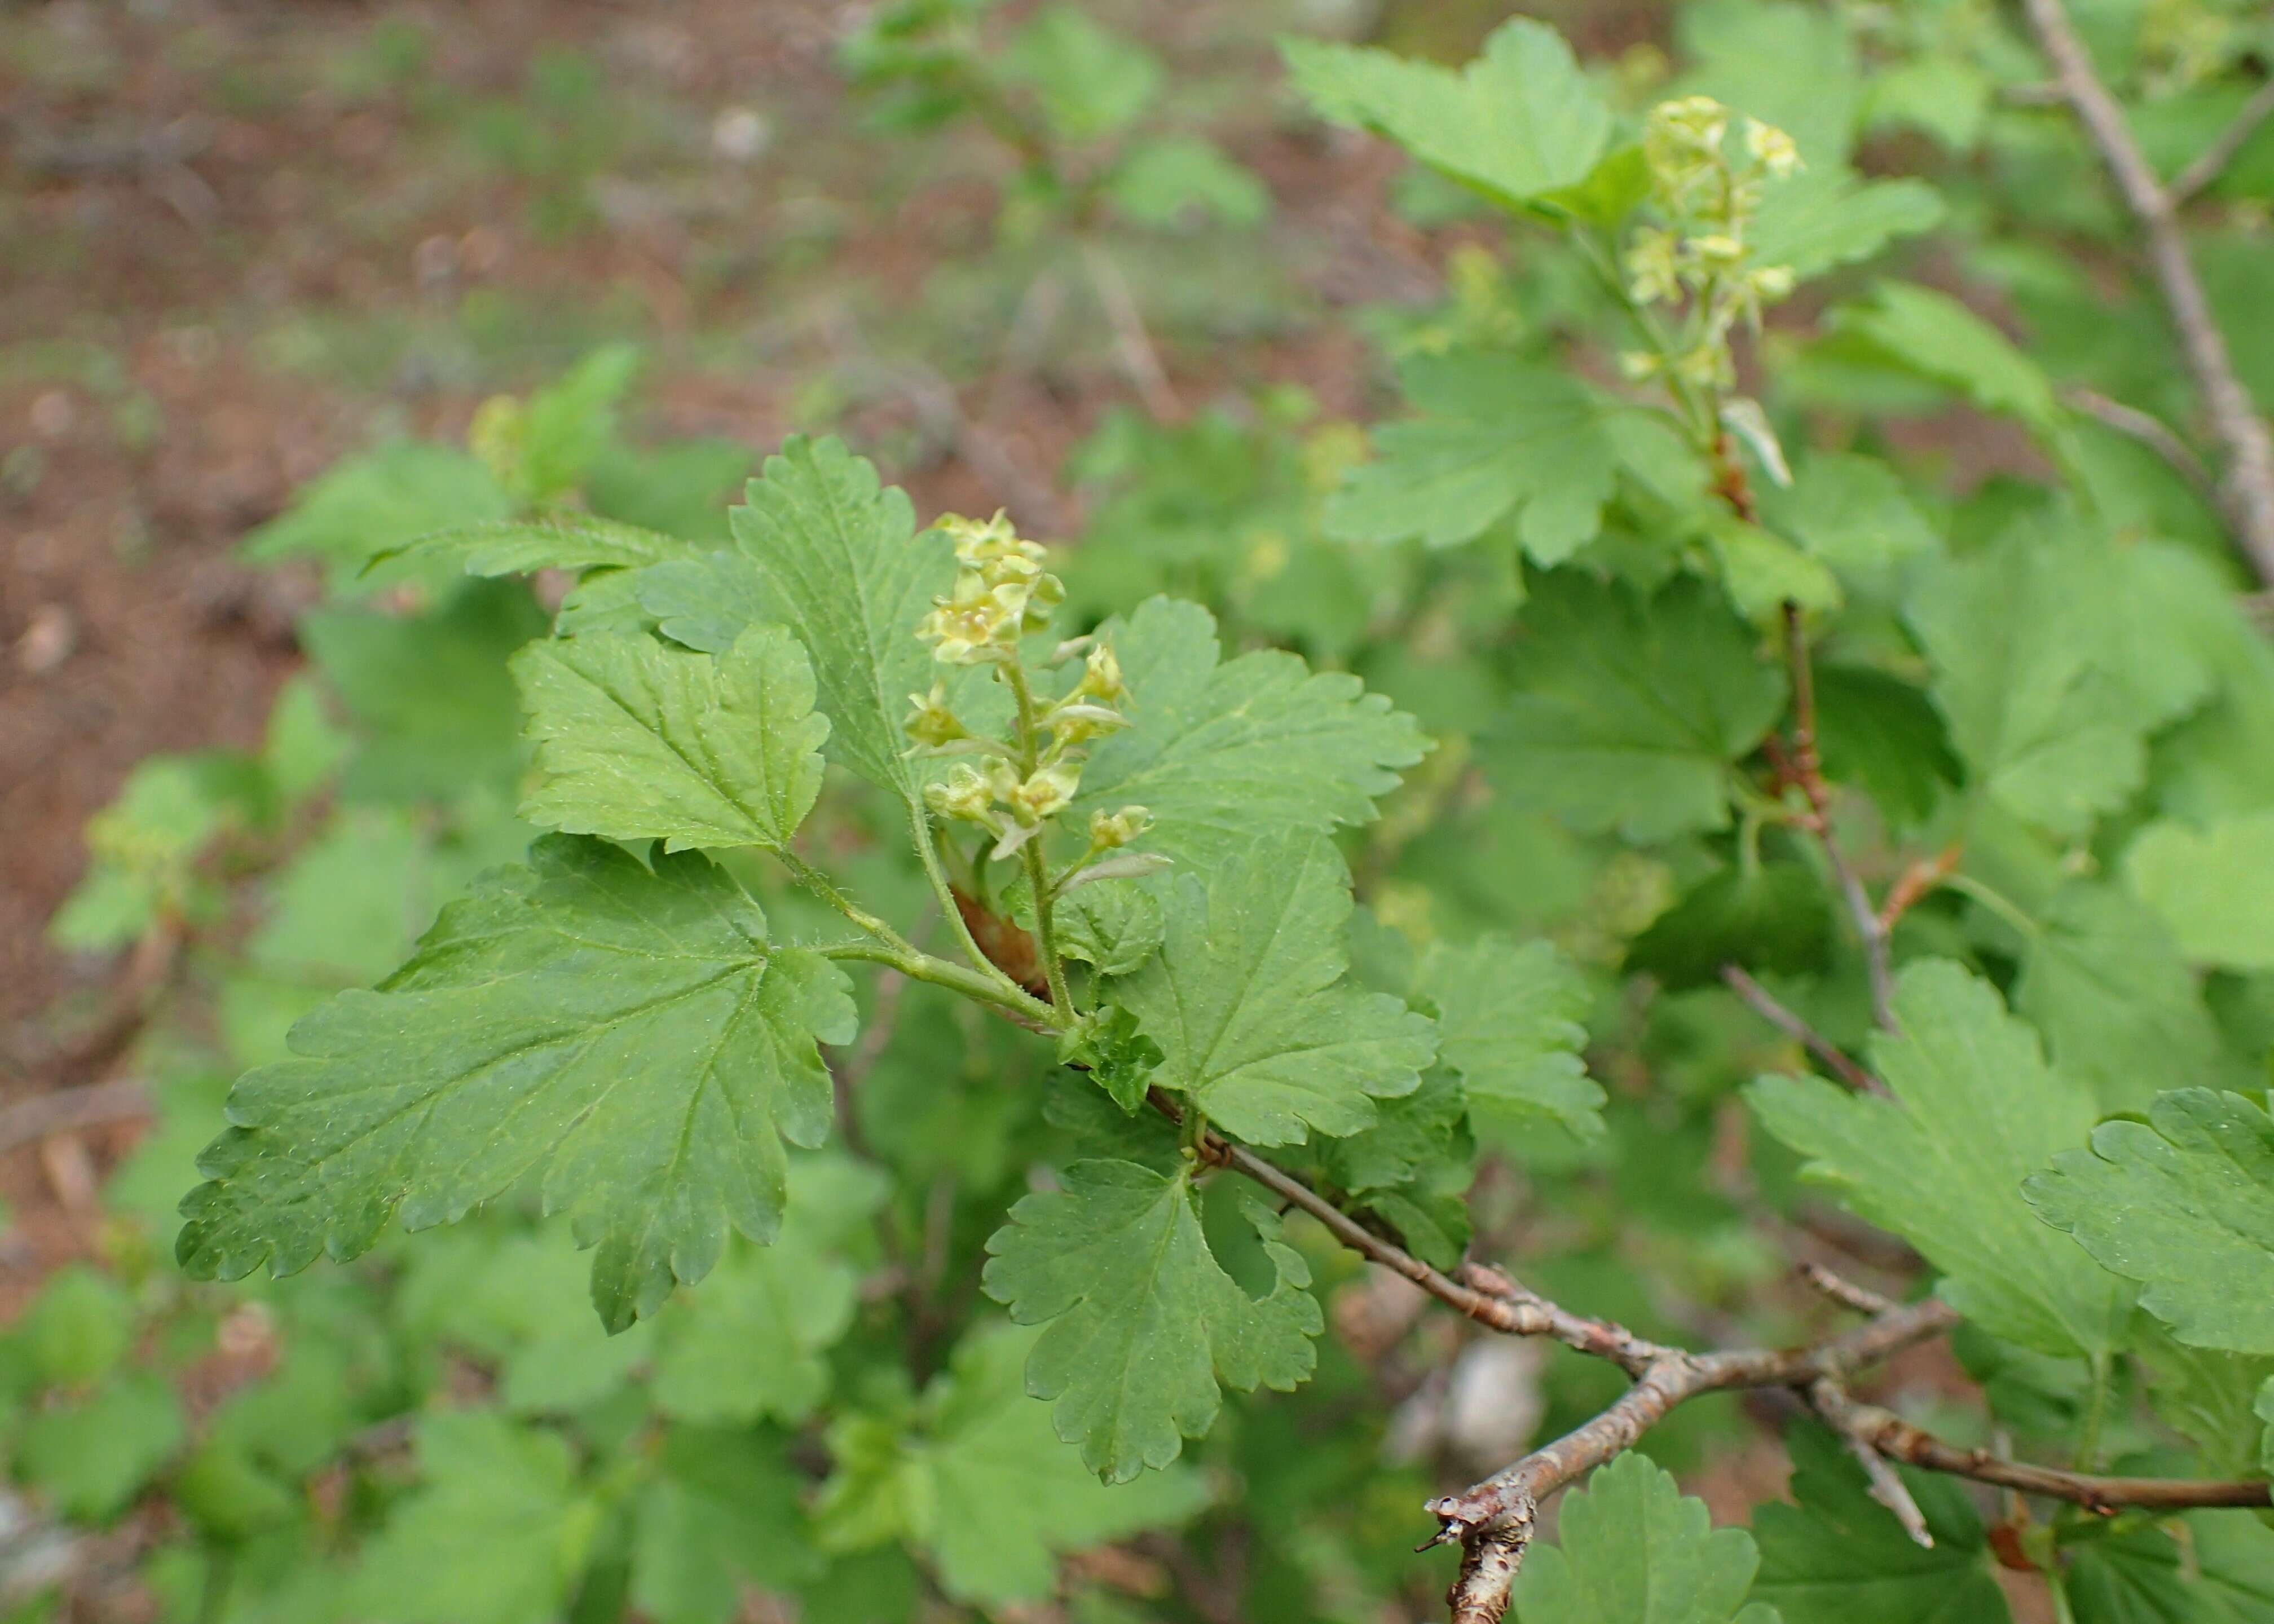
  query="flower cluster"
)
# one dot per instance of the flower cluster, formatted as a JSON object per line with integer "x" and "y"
{"x": 1002, "y": 592}
{"x": 1701, "y": 256}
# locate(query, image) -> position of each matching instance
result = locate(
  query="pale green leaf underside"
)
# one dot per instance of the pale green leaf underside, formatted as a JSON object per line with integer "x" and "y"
{"x": 1217, "y": 751}
{"x": 1243, "y": 1005}
{"x": 1521, "y": 120}
{"x": 2184, "y": 1205}
{"x": 1631, "y": 1548}
{"x": 1143, "y": 1323}
{"x": 639, "y": 740}
{"x": 1507, "y": 1021}
{"x": 1975, "y": 1111}
{"x": 631, "y": 1036}
{"x": 563, "y": 540}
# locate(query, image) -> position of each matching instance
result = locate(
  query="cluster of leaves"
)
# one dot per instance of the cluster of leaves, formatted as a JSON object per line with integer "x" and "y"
{"x": 883, "y": 1112}
{"x": 1078, "y": 105}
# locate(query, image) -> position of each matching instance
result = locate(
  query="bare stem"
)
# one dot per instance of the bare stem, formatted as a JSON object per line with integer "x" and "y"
{"x": 1758, "y": 999}
{"x": 2250, "y": 483}
{"x": 1141, "y": 361}
{"x": 1806, "y": 769}
{"x": 2152, "y": 431}
{"x": 2211, "y": 162}
{"x": 1493, "y": 1519}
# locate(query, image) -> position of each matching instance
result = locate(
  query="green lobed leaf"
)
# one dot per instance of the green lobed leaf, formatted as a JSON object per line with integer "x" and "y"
{"x": 2217, "y": 1401}
{"x": 2184, "y": 1204}
{"x": 2049, "y": 692}
{"x": 1628, "y": 711}
{"x": 1144, "y": 1323}
{"x": 1879, "y": 732}
{"x": 90, "y": 1458}
{"x": 1170, "y": 180}
{"x": 1768, "y": 916}
{"x": 1936, "y": 337}
{"x": 638, "y": 740}
{"x": 1837, "y": 1556}
{"x": 1090, "y": 81}
{"x": 1494, "y": 438}
{"x": 2214, "y": 888}
{"x": 1631, "y": 1548}
{"x": 1519, "y": 121}
{"x": 496, "y": 1535}
{"x": 838, "y": 561}
{"x": 1245, "y": 1007}
{"x": 632, "y": 1034}
{"x": 1828, "y": 216}
{"x": 752, "y": 1343}
{"x": 2210, "y": 1568}
{"x": 431, "y": 692}
{"x": 1509, "y": 1021}
{"x": 722, "y": 1513}
{"x": 1855, "y": 514}
{"x": 1217, "y": 751}
{"x": 2118, "y": 1007}
{"x": 989, "y": 1493}
{"x": 387, "y": 499}
{"x": 1114, "y": 926}
{"x": 1975, "y": 1110}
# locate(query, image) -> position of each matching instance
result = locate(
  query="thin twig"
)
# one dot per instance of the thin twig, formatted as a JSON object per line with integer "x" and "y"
{"x": 2250, "y": 483}
{"x": 1846, "y": 1292}
{"x": 1506, "y": 1505}
{"x": 1138, "y": 357}
{"x": 68, "y": 1110}
{"x": 2198, "y": 176}
{"x": 2153, "y": 433}
{"x": 1885, "y": 1484}
{"x": 1493, "y": 1519}
{"x": 1806, "y": 768}
{"x": 1764, "y": 1003}
{"x": 1898, "y": 1440}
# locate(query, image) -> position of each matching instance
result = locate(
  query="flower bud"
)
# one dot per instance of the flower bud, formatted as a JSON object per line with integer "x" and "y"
{"x": 1044, "y": 793}
{"x": 1109, "y": 831}
{"x": 1771, "y": 148}
{"x": 931, "y": 721}
{"x": 967, "y": 794}
{"x": 1770, "y": 282}
{"x": 1074, "y": 723}
{"x": 1101, "y": 677}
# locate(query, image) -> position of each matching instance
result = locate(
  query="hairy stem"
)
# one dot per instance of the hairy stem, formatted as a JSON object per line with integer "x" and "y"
{"x": 997, "y": 991}
{"x": 944, "y": 893}
{"x": 1038, "y": 884}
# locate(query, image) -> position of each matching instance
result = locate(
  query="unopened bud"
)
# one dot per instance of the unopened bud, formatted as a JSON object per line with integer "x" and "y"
{"x": 1101, "y": 677}
{"x": 931, "y": 722}
{"x": 1771, "y": 148}
{"x": 966, "y": 794}
{"x": 1109, "y": 831}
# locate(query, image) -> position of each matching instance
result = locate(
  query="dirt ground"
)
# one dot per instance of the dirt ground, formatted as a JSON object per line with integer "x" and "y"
{"x": 197, "y": 194}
